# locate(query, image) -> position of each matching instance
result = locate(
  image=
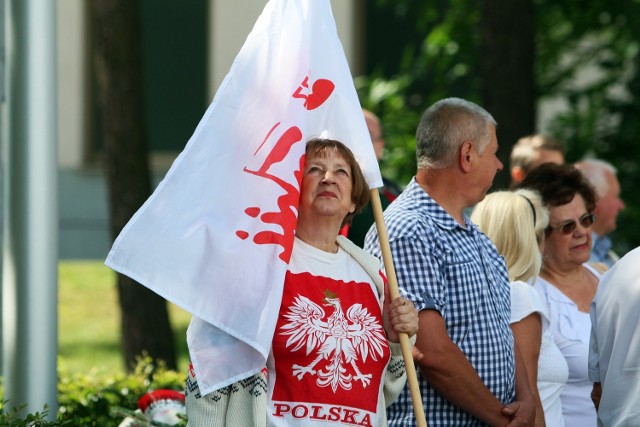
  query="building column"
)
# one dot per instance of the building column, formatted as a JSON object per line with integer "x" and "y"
{"x": 30, "y": 282}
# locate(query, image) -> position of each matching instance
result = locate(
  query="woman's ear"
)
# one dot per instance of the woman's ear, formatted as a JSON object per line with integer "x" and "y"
{"x": 517, "y": 174}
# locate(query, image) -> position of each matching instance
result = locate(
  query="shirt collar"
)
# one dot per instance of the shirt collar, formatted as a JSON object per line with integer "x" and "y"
{"x": 441, "y": 217}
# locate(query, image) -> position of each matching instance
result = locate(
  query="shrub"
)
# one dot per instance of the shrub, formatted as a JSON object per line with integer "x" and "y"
{"x": 98, "y": 398}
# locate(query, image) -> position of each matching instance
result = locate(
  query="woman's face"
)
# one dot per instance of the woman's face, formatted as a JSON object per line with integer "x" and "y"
{"x": 326, "y": 186}
{"x": 567, "y": 249}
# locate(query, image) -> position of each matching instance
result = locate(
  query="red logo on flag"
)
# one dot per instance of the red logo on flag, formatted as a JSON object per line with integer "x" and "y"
{"x": 286, "y": 216}
{"x": 287, "y": 203}
{"x": 321, "y": 90}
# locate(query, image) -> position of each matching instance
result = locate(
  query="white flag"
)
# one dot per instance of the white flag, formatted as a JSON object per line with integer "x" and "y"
{"x": 216, "y": 235}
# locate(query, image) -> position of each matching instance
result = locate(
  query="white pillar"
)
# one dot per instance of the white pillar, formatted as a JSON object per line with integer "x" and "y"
{"x": 2, "y": 156}
{"x": 30, "y": 271}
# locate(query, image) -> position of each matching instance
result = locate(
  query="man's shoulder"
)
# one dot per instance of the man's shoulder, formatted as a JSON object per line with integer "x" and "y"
{"x": 415, "y": 215}
{"x": 413, "y": 202}
{"x": 487, "y": 242}
{"x": 406, "y": 217}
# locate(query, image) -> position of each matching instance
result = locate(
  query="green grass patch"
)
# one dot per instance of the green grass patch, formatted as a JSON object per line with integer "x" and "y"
{"x": 89, "y": 320}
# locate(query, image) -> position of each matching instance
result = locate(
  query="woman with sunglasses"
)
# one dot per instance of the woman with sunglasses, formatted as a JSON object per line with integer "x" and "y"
{"x": 567, "y": 283}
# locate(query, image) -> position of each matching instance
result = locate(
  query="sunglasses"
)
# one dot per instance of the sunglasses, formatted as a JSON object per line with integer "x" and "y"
{"x": 585, "y": 221}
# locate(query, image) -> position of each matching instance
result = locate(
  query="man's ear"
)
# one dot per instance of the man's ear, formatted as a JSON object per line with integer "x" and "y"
{"x": 517, "y": 174}
{"x": 466, "y": 156}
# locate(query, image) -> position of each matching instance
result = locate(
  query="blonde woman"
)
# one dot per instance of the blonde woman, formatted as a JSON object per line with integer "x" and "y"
{"x": 515, "y": 222}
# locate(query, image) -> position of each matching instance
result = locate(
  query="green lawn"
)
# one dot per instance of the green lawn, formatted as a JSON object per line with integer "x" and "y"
{"x": 88, "y": 331}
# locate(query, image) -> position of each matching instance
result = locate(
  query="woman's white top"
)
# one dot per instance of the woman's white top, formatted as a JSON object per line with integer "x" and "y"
{"x": 571, "y": 330}
{"x": 552, "y": 367}
{"x": 329, "y": 357}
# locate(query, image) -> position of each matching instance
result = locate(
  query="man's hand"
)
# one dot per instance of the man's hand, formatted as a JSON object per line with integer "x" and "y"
{"x": 521, "y": 413}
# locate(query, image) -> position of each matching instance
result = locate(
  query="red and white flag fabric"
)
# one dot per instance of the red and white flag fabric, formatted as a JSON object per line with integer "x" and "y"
{"x": 216, "y": 235}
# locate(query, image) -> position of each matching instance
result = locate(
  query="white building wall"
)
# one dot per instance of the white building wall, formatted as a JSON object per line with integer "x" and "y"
{"x": 232, "y": 21}
{"x": 72, "y": 81}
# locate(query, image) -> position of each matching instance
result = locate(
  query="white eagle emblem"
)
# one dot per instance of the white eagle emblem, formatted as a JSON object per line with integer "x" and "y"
{"x": 339, "y": 340}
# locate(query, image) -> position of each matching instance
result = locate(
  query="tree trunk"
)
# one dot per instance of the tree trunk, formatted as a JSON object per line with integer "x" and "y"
{"x": 145, "y": 325}
{"x": 507, "y": 29}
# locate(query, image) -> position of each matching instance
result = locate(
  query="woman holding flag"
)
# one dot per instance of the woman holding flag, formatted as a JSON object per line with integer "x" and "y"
{"x": 335, "y": 357}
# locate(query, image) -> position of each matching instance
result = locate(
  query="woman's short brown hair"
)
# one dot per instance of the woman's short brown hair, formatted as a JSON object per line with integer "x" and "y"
{"x": 359, "y": 188}
{"x": 558, "y": 185}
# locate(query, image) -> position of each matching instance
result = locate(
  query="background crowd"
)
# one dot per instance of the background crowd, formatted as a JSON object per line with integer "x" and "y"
{"x": 552, "y": 231}
{"x": 500, "y": 288}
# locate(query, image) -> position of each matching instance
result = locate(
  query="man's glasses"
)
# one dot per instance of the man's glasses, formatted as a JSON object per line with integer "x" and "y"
{"x": 585, "y": 221}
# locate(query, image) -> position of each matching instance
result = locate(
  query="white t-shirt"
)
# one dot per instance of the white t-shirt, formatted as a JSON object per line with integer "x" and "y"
{"x": 571, "y": 330}
{"x": 329, "y": 353}
{"x": 614, "y": 357}
{"x": 552, "y": 368}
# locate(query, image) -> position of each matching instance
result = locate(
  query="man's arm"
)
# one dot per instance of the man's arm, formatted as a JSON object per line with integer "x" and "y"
{"x": 449, "y": 371}
{"x": 527, "y": 335}
{"x": 523, "y": 411}
{"x": 596, "y": 394}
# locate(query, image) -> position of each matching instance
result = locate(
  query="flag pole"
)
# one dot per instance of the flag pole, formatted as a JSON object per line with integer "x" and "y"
{"x": 394, "y": 293}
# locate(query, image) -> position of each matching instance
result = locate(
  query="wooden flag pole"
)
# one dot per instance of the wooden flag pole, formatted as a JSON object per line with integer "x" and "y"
{"x": 394, "y": 293}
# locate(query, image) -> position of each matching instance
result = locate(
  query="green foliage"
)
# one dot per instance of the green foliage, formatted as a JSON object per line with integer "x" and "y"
{"x": 12, "y": 418}
{"x": 425, "y": 52}
{"x": 99, "y": 398}
{"x": 588, "y": 56}
{"x": 386, "y": 98}
{"x": 433, "y": 45}
{"x": 587, "y": 60}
